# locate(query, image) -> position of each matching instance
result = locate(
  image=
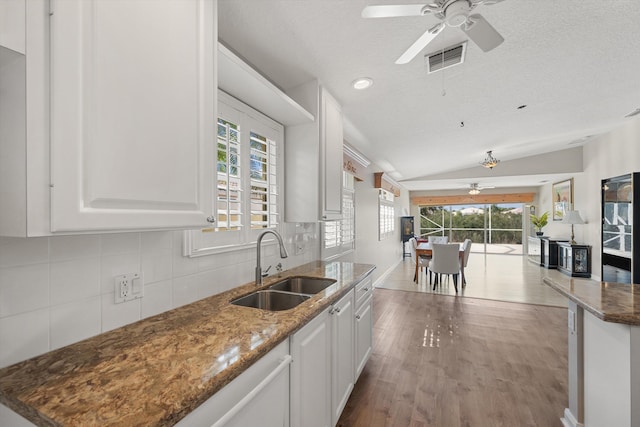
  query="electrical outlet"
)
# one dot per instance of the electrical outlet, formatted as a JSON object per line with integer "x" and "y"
{"x": 127, "y": 287}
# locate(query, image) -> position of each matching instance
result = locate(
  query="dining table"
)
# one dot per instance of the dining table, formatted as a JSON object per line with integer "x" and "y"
{"x": 426, "y": 249}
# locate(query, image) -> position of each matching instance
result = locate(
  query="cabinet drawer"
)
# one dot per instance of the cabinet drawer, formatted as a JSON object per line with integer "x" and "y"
{"x": 364, "y": 290}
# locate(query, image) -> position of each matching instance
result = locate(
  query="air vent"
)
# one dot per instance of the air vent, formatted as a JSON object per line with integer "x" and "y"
{"x": 446, "y": 58}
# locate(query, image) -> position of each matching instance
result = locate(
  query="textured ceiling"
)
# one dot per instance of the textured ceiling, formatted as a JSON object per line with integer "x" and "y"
{"x": 574, "y": 63}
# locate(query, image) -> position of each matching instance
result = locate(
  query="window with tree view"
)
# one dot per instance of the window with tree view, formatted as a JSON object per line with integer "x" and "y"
{"x": 491, "y": 224}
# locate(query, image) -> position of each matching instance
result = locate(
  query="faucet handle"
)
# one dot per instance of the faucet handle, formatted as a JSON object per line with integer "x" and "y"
{"x": 266, "y": 272}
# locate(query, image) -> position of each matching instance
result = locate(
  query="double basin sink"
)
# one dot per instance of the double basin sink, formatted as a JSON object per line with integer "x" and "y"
{"x": 285, "y": 294}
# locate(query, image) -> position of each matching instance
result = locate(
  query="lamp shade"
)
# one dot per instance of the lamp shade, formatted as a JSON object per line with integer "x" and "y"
{"x": 572, "y": 217}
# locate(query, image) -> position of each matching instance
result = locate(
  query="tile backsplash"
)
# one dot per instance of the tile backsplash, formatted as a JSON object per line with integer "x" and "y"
{"x": 55, "y": 291}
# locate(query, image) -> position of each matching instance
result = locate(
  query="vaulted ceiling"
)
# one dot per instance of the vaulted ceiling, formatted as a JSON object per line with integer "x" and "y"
{"x": 574, "y": 64}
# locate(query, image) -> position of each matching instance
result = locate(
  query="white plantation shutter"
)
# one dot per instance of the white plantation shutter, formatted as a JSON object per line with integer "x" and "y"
{"x": 229, "y": 176}
{"x": 386, "y": 215}
{"x": 339, "y": 236}
{"x": 249, "y": 148}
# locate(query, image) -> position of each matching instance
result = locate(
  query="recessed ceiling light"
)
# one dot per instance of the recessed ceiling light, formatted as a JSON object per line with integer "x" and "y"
{"x": 362, "y": 83}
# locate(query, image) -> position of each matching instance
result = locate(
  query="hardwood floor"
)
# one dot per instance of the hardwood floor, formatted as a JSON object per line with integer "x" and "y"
{"x": 447, "y": 361}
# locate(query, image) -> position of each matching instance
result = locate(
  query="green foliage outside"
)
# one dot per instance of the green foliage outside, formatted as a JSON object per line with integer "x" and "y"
{"x": 506, "y": 227}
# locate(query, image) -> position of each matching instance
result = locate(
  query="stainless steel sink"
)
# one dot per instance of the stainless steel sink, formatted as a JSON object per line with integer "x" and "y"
{"x": 271, "y": 300}
{"x": 303, "y": 285}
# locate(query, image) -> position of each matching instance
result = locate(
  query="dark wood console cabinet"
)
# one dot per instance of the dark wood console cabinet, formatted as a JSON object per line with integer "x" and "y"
{"x": 544, "y": 250}
{"x": 574, "y": 260}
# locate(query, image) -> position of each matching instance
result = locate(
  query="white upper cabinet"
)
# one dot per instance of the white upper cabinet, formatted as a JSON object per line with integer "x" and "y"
{"x": 120, "y": 102}
{"x": 132, "y": 114}
{"x": 12, "y": 24}
{"x": 313, "y": 152}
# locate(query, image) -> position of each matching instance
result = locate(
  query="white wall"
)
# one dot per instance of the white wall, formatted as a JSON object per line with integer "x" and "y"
{"x": 384, "y": 254}
{"x": 612, "y": 154}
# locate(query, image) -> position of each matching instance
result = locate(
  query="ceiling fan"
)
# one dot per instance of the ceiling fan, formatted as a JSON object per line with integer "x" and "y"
{"x": 474, "y": 188}
{"x": 454, "y": 13}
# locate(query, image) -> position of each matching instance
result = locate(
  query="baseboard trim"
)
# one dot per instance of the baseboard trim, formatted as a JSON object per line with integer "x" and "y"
{"x": 569, "y": 420}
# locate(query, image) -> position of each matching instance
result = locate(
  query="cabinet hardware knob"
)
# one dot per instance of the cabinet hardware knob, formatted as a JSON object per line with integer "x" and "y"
{"x": 358, "y": 317}
{"x": 337, "y": 309}
{"x": 211, "y": 219}
{"x": 366, "y": 289}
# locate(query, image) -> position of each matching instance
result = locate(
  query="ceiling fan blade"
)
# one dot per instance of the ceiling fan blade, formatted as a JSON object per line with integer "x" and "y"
{"x": 482, "y": 33}
{"x": 420, "y": 44}
{"x": 392, "y": 10}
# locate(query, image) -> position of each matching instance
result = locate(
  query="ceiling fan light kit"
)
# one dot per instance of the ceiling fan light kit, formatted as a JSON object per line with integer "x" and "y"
{"x": 452, "y": 13}
{"x": 490, "y": 162}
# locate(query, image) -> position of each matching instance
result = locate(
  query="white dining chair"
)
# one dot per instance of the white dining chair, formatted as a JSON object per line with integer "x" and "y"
{"x": 438, "y": 239}
{"x": 446, "y": 260}
{"x": 466, "y": 245}
{"x": 413, "y": 244}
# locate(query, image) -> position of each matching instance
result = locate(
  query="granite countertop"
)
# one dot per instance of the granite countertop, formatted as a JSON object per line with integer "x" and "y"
{"x": 157, "y": 370}
{"x": 611, "y": 302}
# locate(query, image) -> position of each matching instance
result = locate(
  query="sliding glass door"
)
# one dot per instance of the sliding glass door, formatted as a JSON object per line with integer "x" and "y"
{"x": 497, "y": 227}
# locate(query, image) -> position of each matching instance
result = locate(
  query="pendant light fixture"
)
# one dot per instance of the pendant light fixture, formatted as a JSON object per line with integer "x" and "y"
{"x": 490, "y": 162}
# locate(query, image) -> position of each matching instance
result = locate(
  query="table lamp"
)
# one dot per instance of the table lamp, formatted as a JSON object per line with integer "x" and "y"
{"x": 572, "y": 217}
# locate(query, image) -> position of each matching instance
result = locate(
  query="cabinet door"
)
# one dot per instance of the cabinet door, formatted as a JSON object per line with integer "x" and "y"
{"x": 132, "y": 113}
{"x": 257, "y": 397}
{"x": 268, "y": 408}
{"x": 12, "y": 29}
{"x": 342, "y": 355}
{"x": 311, "y": 374}
{"x": 331, "y": 146}
{"x": 364, "y": 336}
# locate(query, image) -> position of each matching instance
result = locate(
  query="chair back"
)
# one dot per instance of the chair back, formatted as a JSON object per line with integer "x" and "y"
{"x": 467, "y": 250}
{"x": 446, "y": 258}
{"x": 413, "y": 244}
{"x": 438, "y": 239}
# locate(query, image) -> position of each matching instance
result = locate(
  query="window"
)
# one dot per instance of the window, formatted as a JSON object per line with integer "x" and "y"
{"x": 498, "y": 224}
{"x": 386, "y": 218}
{"x": 339, "y": 236}
{"x": 248, "y": 175}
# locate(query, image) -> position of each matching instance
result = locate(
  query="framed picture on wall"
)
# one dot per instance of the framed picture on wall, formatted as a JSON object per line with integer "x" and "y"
{"x": 562, "y": 198}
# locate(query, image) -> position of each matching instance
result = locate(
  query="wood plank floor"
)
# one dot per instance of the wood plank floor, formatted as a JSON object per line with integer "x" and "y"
{"x": 447, "y": 361}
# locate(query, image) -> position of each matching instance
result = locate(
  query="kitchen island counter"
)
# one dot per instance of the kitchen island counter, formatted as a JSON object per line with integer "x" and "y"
{"x": 611, "y": 302}
{"x": 603, "y": 351}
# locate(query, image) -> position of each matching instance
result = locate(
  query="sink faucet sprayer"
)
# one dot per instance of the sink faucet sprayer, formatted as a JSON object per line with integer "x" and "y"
{"x": 283, "y": 254}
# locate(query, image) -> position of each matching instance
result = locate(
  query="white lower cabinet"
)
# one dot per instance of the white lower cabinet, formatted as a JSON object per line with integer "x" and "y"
{"x": 364, "y": 335}
{"x": 258, "y": 397}
{"x": 328, "y": 355}
{"x": 311, "y": 373}
{"x": 342, "y": 375}
{"x": 363, "y": 324}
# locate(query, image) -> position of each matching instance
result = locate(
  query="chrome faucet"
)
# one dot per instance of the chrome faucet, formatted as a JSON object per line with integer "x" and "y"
{"x": 283, "y": 254}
